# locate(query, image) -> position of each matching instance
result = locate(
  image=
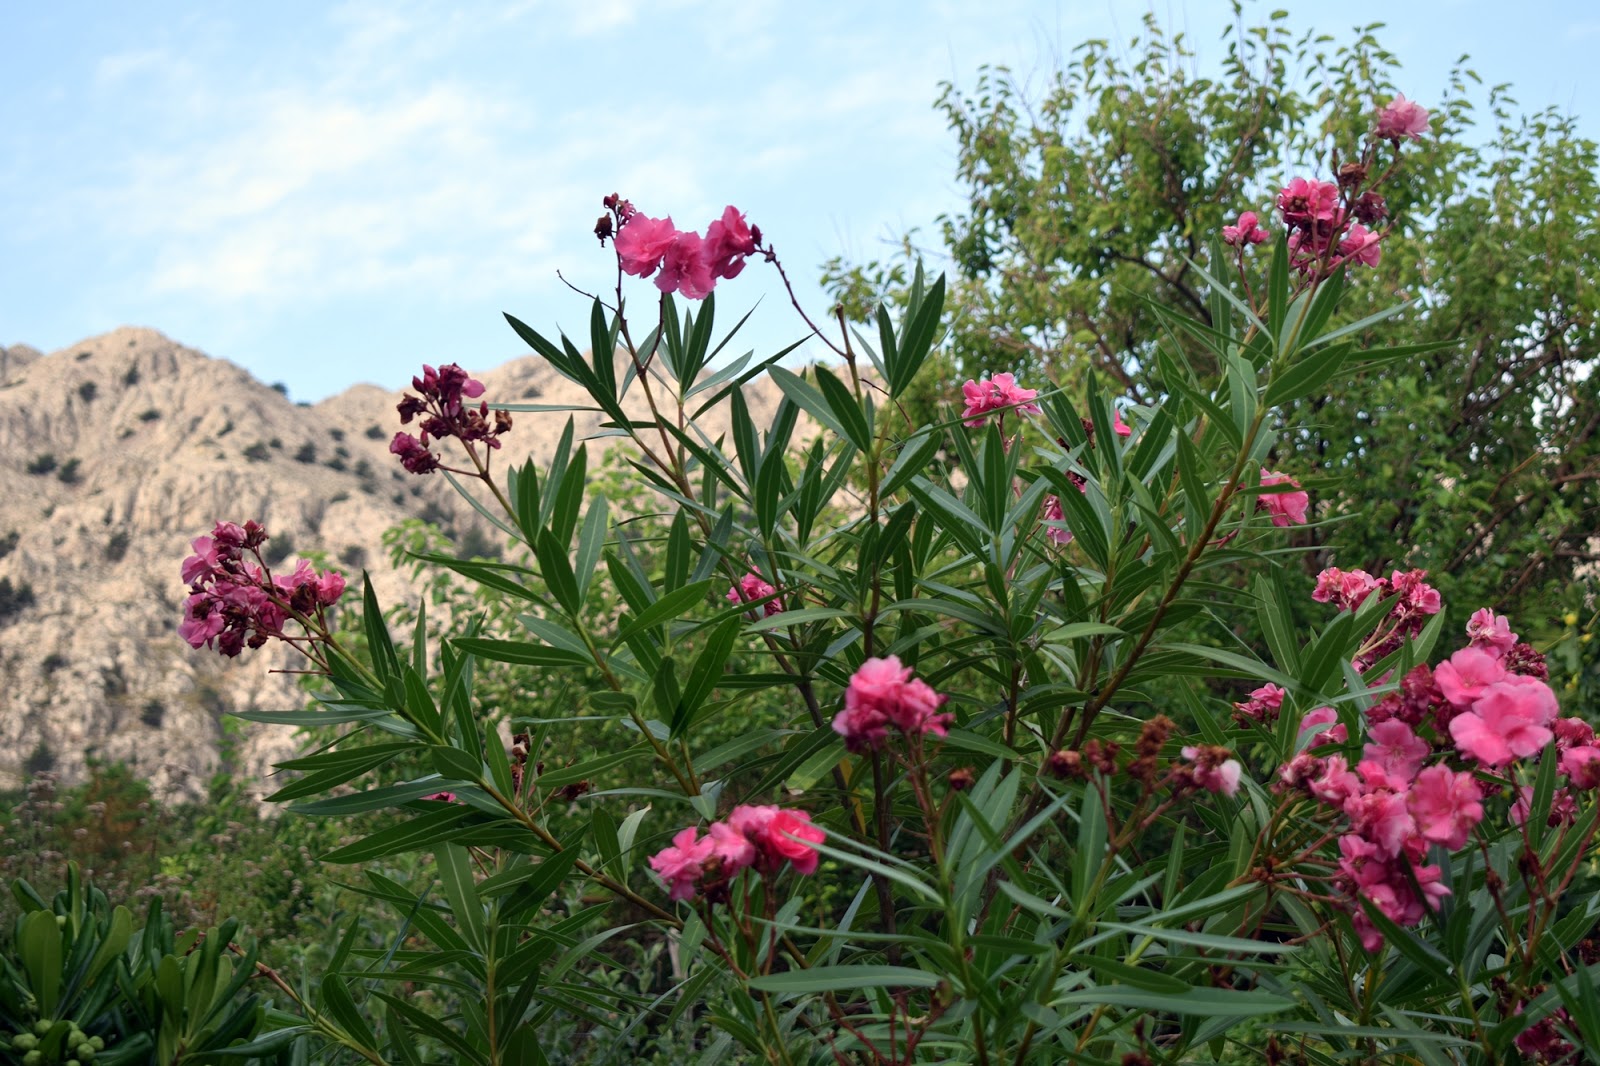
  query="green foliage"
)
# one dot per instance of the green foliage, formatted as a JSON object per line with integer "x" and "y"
{"x": 83, "y": 986}
{"x": 1093, "y": 196}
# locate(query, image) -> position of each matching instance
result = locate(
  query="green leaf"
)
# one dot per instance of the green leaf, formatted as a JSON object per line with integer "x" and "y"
{"x": 858, "y": 430}
{"x": 1197, "y": 1002}
{"x": 808, "y": 399}
{"x": 455, "y": 876}
{"x": 833, "y": 978}
{"x": 670, "y": 606}
{"x": 520, "y": 653}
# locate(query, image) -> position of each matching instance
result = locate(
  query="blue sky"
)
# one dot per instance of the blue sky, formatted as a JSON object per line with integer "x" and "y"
{"x": 328, "y": 194}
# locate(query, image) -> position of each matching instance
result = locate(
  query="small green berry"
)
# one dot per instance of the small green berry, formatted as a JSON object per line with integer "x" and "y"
{"x": 24, "y": 1041}
{"x": 43, "y": 1026}
{"x": 98, "y": 1043}
{"x": 61, "y": 921}
{"x": 33, "y": 1058}
{"x": 74, "y": 1062}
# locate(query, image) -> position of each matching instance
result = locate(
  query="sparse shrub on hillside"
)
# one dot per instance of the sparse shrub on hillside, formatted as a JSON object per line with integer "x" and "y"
{"x": 52, "y": 662}
{"x": 153, "y": 713}
{"x": 337, "y": 435}
{"x": 8, "y": 543}
{"x": 131, "y": 377}
{"x": 277, "y": 549}
{"x": 41, "y": 464}
{"x": 257, "y": 453}
{"x": 14, "y": 599}
{"x": 87, "y": 391}
{"x": 117, "y": 546}
{"x": 40, "y": 761}
{"x": 376, "y": 433}
{"x": 354, "y": 556}
{"x": 149, "y": 414}
{"x": 306, "y": 453}
{"x": 69, "y": 473}
{"x": 280, "y": 388}
{"x": 335, "y": 464}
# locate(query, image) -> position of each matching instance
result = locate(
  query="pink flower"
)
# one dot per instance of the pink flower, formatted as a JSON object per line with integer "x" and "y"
{"x": 443, "y": 797}
{"x": 1118, "y": 426}
{"x": 1286, "y": 508}
{"x": 1490, "y": 631}
{"x": 999, "y": 395}
{"x": 882, "y": 693}
{"x": 1055, "y": 519}
{"x": 1361, "y": 245}
{"x": 679, "y": 865}
{"x": 330, "y": 587}
{"x": 752, "y": 588}
{"x": 731, "y": 846}
{"x": 1303, "y": 201}
{"x": 1417, "y": 597}
{"x": 202, "y": 562}
{"x": 1446, "y": 805}
{"x": 1466, "y": 674}
{"x": 642, "y": 243}
{"x": 1213, "y": 773}
{"x": 1382, "y": 818}
{"x": 1262, "y": 705}
{"x": 1507, "y": 722}
{"x": 1400, "y": 119}
{"x": 1581, "y": 764}
{"x": 1572, "y": 733}
{"x": 685, "y": 268}
{"x": 1347, "y": 589}
{"x": 1337, "y": 784}
{"x": 1324, "y": 716}
{"x": 414, "y": 455}
{"x": 1246, "y": 232}
{"x": 728, "y": 240}
{"x": 773, "y": 831}
{"x": 1395, "y": 748}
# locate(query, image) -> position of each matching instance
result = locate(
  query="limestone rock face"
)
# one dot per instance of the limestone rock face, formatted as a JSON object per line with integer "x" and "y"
{"x": 119, "y": 450}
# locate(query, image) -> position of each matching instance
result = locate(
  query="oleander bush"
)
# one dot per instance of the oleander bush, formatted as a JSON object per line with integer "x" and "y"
{"x": 863, "y": 737}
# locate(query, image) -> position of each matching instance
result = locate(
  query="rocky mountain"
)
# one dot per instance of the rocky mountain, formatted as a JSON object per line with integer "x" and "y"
{"x": 118, "y": 451}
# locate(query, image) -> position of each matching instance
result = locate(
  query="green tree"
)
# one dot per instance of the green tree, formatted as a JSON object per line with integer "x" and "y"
{"x": 1091, "y": 199}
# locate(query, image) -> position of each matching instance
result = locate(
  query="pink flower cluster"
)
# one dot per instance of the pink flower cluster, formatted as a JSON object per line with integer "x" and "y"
{"x": 688, "y": 263}
{"x": 1286, "y": 508}
{"x": 996, "y": 396}
{"x": 762, "y": 837}
{"x": 235, "y": 603}
{"x": 1404, "y": 795}
{"x": 1246, "y": 231}
{"x": 1414, "y": 602}
{"x": 1262, "y": 705}
{"x": 1322, "y": 235}
{"x": 882, "y": 693}
{"x": 751, "y": 588}
{"x": 445, "y": 414}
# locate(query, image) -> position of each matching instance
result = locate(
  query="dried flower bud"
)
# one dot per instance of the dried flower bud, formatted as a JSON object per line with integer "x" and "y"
{"x": 1352, "y": 175}
{"x": 1102, "y": 756}
{"x": 602, "y": 228}
{"x": 574, "y": 790}
{"x": 1370, "y": 208}
{"x": 1154, "y": 735}
{"x": 1064, "y": 764}
{"x": 961, "y": 779}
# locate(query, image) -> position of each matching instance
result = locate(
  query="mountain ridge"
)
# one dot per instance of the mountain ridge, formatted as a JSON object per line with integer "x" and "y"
{"x": 124, "y": 447}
